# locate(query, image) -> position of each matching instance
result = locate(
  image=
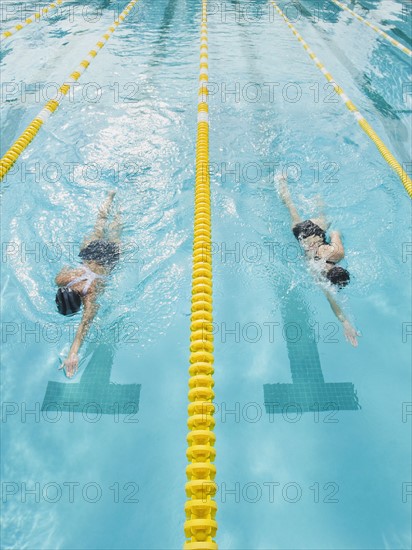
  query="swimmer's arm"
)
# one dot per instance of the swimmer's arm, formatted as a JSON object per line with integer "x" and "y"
{"x": 338, "y": 249}
{"x": 351, "y": 333}
{"x": 335, "y": 306}
{"x": 90, "y": 309}
{"x": 71, "y": 364}
{"x": 63, "y": 277}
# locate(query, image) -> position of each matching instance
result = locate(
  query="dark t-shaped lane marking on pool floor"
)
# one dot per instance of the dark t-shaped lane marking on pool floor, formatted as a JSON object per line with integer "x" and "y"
{"x": 94, "y": 389}
{"x": 308, "y": 391}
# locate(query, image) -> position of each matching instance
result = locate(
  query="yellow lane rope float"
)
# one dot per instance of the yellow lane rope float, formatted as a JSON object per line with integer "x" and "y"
{"x": 382, "y": 33}
{"x": 200, "y": 508}
{"x": 366, "y": 127}
{"x": 32, "y": 129}
{"x": 31, "y": 19}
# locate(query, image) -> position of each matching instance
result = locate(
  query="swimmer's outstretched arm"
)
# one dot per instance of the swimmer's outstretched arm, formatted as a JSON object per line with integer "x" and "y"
{"x": 351, "y": 334}
{"x": 71, "y": 364}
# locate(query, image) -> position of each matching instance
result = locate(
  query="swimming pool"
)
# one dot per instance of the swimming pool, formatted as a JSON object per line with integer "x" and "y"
{"x": 92, "y": 477}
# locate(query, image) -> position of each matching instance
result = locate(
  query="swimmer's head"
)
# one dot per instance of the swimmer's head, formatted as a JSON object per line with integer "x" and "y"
{"x": 68, "y": 301}
{"x": 338, "y": 276}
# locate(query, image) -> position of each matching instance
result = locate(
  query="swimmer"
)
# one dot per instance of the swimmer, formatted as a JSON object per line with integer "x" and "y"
{"x": 311, "y": 235}
{"x": 81, "y": 285}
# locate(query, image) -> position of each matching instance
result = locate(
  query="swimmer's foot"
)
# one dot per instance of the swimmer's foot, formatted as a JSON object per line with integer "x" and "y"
{"x": 70, "y": 365}
{"x": 279, "y": 178}
{"x": 282, "y": 186}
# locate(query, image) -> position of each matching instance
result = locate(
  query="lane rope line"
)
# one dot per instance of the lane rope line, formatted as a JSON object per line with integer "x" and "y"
{"x": 366, "y": 127}
{"x": 200, "y": 508}
{"x": 31, "y": 19}
{"x": 382, "y": 33}
{"x": 32, "y": 129}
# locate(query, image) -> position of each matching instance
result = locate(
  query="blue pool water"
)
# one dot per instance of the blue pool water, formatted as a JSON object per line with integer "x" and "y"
{"x": 327, "y": 476}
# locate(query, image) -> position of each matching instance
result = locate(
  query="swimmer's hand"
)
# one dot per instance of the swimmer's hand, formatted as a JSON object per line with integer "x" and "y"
{"x": 351, "y": 334}
{"x": 70, "y": 365}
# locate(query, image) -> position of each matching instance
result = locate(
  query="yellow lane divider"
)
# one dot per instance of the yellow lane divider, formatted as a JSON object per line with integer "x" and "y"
{"x": 200, "y": 508}
{"x": 382, "y": 33}
{"x": 31, "y": 19}
{"x": 32, "y": 129}
{"x": 366, "y": 127}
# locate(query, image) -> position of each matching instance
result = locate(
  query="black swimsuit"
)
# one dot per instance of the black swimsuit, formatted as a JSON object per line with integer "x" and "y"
{"x": 318, "y": 258}
{"x": 307, "y": 228}
{"x": 303, "y": 230}
{"x": 105, "y": 253}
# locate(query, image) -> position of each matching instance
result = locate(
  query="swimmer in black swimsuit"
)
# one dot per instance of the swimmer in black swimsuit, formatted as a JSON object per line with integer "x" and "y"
{"x": 311, "y": 235}
{"x": 81, "y": 286}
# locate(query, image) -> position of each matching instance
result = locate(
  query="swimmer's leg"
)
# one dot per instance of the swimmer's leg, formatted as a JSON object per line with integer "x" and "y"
{"x": 115, "y": 228}
{"x": 100, "y": 225}
{"x": 287, "y": 199}
{"x": 103, "y": 215}
{"x": 321, "y": 220}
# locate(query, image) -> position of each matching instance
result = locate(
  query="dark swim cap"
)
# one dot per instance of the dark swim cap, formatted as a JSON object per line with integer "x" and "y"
{"x": 338, "y": 276}
{"x": 68, "y": 301}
